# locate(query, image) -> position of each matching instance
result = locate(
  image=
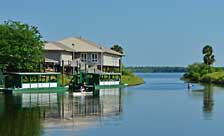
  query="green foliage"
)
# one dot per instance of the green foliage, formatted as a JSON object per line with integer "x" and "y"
{"x": 151, "y": 69}
{"x": 209, "y": 58}
{"x": 200, "y": 68}
{"x": 118, "y": 48}
{"x": 21, "y": 48}
{"x": 67, "y": 79}
{"x": 215, "y": 77}
{"x": 126, "y": 71}
{"x": 196, "y": 71}
{"x": 200, "y": 72}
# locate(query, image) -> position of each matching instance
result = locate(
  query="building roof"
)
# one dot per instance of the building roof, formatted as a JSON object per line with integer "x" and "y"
{"x": 104, "y": 49}
{"x": 78, "y": 44}
{"x": 57, "y": 46}
{"x": 107, "y": 50}
{"x": 50, "y": 60}
{"x": 52, "y": 46}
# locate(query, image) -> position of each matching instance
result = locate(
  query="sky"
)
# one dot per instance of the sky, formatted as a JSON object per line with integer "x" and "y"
{"x": 152, "y": 32}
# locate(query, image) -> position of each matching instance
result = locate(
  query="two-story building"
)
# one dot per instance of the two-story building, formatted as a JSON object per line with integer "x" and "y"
{"x": 81, "y": 53}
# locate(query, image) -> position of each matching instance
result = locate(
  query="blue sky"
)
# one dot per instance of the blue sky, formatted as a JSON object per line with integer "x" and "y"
{"x": 152, "y": 32}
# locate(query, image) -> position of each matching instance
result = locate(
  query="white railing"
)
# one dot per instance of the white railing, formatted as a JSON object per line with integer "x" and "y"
{"x": 39, "y": 85}
{"x": 109, "y": 82}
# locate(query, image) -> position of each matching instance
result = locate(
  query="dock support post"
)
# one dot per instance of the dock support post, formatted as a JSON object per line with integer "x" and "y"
{"x": 96, "y": 93}
{"x": 62, "y": 72}
{"x": 120, "y": 66}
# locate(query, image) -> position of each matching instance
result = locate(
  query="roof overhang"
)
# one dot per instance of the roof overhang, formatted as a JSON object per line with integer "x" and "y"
{"x": 50, "y": 60}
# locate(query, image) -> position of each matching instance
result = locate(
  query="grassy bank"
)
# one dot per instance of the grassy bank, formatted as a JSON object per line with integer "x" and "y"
{"x": 130, "y": 78}
{"x": 200, "y": 73}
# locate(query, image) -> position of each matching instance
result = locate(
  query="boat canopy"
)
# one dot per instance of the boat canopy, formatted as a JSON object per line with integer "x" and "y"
{"x": 33, "y": 73}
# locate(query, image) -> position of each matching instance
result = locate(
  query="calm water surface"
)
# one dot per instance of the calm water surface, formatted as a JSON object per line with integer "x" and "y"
{"x": 162, "y": 106}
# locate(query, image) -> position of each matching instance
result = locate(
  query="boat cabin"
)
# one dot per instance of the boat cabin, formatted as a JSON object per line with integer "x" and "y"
{"x": 96, "y": 80}
{"x": 32, "y": 80}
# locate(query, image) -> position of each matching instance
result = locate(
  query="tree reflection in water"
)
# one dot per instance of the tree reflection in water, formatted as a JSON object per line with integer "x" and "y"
{"x": 208, "y": 98}
{"x": 17, "y": 121}
{"x": 208, "y": 101}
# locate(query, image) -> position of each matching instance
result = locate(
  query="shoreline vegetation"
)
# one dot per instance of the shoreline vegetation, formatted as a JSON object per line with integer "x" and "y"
{"x": 128, "y": 77}
{"x": 157, "y": 69}
{"x": 204, "y": 72}
{"x": 132, "y": 80}
{"x": 201, "y": 73}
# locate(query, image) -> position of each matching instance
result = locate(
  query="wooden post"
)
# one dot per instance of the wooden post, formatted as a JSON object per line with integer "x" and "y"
{"x": 101, "y": 64}
{"x": 120, "y": 64}
{"x": 62, "y": 72}
{"x": 96, "y": 92}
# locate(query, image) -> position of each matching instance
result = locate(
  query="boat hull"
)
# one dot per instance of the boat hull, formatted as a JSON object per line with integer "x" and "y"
{"x": 110, "y": 86}
{"x": 36, "y": 90}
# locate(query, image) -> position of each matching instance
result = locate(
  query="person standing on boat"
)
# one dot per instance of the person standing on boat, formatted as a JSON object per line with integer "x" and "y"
{"x": 83, "y": 87}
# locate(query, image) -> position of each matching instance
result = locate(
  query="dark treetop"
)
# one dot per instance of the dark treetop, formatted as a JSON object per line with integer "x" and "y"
{"x": 21, "y": 48}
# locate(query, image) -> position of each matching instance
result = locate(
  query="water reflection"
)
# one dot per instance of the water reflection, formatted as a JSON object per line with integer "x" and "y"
{"x": 17, "y": 121}
{"x": 208, "y": 101}
{"x": 33, "y": 114}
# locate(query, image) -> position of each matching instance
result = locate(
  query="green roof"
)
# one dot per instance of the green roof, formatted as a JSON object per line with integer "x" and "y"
{"x": 34, "y": 73}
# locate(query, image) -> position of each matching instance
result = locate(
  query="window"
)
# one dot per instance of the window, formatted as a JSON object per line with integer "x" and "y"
{"x": 52, "y": 78}
{"x": 94, "y": 57}
{"x": 26, "y": 79}
{"x": 83, "y": 57}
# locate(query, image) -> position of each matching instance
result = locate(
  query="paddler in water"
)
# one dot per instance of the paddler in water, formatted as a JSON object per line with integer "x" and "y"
{"x": 189, "y": 85}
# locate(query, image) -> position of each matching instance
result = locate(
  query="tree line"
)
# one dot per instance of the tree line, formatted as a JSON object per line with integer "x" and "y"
{"x": 157, "y": 69}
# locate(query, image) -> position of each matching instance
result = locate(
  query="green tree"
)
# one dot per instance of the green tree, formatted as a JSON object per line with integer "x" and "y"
{"x": 117, "y": 48}
{"x": 209, "y": 58}
{"x": 21, "y": 47}
{"x": 195, "y": 72}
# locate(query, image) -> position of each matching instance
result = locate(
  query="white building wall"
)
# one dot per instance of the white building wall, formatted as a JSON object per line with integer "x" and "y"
{"x": 110, "y": 60}
{"x": 67, "y": 57}
{"x": 89, "y": 61}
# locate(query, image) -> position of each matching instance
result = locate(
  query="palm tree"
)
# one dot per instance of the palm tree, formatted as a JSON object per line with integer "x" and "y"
{"x": 209, "y": 58}
{"x": 117, "y": 48}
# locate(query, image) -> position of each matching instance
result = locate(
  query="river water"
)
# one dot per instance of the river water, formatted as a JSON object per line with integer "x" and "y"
{"x": 162, "y": 106}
